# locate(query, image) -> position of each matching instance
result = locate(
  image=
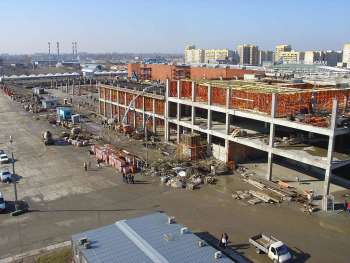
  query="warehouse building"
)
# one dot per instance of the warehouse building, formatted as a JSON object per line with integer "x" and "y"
{"x": 151, "y": 238}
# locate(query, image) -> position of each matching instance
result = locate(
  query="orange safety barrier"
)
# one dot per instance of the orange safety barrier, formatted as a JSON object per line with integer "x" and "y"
{"x": 102, "y": 93}
{"x": 218, "y": 96}
{"x": 121, "y": 97}
{"x": 139, "y": 102}
{"x": 114, "y": 95}
{"x": 173, "y": 89}
{"x": 148, "y": 104}
{"x": 159, "y": 107}
{"x": 201, "y": 93}
{"x": 186, "y": 90}
{"x": 129, "y": 98}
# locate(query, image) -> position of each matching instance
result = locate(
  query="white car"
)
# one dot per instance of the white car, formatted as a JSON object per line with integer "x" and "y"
{"x": 5, "y": 176}
{"x": 2, "y": 203}
{"x": 4, "y": 158}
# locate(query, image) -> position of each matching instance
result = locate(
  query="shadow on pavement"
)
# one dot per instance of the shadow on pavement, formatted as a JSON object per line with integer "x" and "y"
{"x": 78, "y": 210}
{"x": 299, "y": 255}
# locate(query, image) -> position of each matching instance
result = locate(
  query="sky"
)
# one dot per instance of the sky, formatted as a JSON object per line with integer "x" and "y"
{"x": 167, "y": 26}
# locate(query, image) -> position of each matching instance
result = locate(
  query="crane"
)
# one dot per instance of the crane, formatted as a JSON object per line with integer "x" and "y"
{"x": 132, "y": 101}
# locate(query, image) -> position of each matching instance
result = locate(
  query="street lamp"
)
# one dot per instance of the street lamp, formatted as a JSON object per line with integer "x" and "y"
{"x": 14, "y": 180}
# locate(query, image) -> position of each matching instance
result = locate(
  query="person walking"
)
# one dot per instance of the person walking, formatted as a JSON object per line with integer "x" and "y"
{"x": 85, "y": 166}
{"x": 223, "y": 240}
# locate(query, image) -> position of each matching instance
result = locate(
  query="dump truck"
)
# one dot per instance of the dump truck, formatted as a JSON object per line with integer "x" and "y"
{"x": 47, "y": 138}
{"x": 272, "y": 247}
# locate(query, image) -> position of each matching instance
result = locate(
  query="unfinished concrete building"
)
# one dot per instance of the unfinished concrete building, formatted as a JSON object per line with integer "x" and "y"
{"x": 241, "y": 120}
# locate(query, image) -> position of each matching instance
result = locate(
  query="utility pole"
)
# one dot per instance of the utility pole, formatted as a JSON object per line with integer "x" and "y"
{"x": 14, "y": 179}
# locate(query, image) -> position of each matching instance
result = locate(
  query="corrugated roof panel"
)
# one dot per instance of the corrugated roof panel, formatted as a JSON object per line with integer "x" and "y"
{"x": 110, "y": 243}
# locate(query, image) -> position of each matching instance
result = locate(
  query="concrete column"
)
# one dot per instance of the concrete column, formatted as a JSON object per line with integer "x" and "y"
{"x": 178, "y": 133}
{"x": 194, "y": 90}
{"x": 271, "y": 137}
{"x": 51, "y": 84}
{"x": 110, "y": 104}
{"x": 67, "y": 85}
{"x": 99, "y": 101}
{"x": 178, "y": 88}
{"x": 73, "y": 86}
{"x": 79, "y": 88}
{"x": 208, "y": 138}
{"x": 166, "y": 113}
{"x": 209, "y": 120}
{"x": 104, "y": 104}
{"x": 228, "y": 106}
{"x": 143, "y": 113}
{"x": 209, "y": 94}
{"x": 330, "y": 150}
{"x": 118, "y": 112}
{"x": 193, "y": 110}
{"x": 134, "y": 113}
{"x": 56, "y": 84}
{"x": 154, "y": 116}
{"x": 227, "y": 145}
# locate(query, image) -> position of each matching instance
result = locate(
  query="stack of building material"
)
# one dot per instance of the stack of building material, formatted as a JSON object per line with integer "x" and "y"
{"x": 191, "y": 147}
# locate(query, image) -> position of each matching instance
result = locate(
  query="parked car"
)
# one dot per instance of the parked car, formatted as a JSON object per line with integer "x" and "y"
{"x": 5, "y": 177}
{"x": 4, "y": 158}
{"x": 2, "y": 203}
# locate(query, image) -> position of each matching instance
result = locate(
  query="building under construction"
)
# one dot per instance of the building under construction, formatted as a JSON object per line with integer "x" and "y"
{"x": 241, "y": 120}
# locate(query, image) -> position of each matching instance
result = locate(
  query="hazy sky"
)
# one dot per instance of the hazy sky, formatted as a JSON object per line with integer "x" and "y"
{"x": 168, "y": 25}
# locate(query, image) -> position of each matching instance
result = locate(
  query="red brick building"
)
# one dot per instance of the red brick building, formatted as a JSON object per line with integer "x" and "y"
{"x": 161, "y": 72}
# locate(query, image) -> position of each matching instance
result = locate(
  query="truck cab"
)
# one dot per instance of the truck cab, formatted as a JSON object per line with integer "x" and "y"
{"x": 278, "y": 252}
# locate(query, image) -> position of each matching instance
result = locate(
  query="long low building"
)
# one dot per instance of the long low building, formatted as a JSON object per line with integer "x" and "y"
{"x": 162, "y": 72}
{"x": 154, "y": 238}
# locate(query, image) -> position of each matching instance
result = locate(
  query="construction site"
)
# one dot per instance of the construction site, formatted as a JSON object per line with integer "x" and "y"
{"x": 247, "y": 143}
{"x": 240, "y": 122}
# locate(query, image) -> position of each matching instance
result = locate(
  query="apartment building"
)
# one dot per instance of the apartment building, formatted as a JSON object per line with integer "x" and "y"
{"x": 265, "y": 56}
{"x": 279, "y": 49}
{"x": 248, "y": 54}
{"x": 291, "y": 57}
{"x": 194, "y": 55}
{"x": 217, "y": 55}
{"x": 346, "y": 55}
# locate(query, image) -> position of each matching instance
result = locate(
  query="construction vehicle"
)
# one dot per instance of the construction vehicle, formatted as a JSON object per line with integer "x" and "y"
{"x": 272, "y": 247}
{"x": 47, "y": 138}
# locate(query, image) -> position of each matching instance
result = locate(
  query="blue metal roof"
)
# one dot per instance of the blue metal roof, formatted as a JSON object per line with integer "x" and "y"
{"x": 146, "y": 239}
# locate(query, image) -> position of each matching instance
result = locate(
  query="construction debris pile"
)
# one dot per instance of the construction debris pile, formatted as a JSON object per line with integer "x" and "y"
{"x": 270, "y": 192}
{"x": 185, "y": 174}
{"x": 122, "y": 160}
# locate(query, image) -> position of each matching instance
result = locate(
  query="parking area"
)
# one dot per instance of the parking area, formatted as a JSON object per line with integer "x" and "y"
{"x": 64, "y": 199}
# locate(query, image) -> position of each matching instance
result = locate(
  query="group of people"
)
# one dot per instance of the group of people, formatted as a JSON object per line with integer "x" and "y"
{"x": 128, "y": 178}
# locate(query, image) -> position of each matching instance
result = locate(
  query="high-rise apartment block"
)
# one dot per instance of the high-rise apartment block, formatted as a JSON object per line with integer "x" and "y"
{"x": 194, "y": 55}
{"x": 346, "y": 55}
{"x": 248, "y": 54}
{"x": 265, "y": 56}
{"x": 279, "y": 49}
